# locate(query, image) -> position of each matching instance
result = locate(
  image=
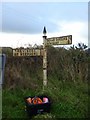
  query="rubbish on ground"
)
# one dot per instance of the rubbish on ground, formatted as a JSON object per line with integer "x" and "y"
{"x": 37, "y": 105}
{"x": 37, "y": 100}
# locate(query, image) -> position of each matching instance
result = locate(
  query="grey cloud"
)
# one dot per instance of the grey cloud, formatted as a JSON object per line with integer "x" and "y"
{"x": 30, "y": 26}
{"x": 25, "y": 17}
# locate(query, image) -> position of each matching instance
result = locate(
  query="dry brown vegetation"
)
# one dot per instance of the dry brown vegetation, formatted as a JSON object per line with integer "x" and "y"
{"x": 65, "y": 65}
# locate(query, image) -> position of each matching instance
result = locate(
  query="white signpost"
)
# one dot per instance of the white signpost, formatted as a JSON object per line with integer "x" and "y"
{"x": 63, "y": 40}
{"x": 44, "y": 59}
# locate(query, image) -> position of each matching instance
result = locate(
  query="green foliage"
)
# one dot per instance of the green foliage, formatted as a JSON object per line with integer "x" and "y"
{"x": 7, "y": 51}
{"x": 67, "y": 65}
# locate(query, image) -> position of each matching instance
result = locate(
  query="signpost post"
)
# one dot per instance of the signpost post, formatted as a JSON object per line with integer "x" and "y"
{"x": 63, "y": 40}
{"x": 44, "y": 59}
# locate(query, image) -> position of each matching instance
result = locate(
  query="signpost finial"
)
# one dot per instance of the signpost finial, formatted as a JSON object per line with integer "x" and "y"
{"x": 44, "y": 30}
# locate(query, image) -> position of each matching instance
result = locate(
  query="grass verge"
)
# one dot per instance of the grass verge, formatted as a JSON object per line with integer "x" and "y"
{"x": 68, "y": 101}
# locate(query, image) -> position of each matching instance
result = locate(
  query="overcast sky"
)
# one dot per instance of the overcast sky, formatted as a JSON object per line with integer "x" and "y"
{"x": 23, "y": 22}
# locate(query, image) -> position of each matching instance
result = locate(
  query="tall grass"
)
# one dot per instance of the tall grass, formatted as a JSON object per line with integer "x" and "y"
{"x": 68, "y": 101}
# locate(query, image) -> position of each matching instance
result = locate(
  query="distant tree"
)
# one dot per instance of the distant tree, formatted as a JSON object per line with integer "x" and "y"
{"x": 81, "y": 46}
{"x": 7, "y": 51}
